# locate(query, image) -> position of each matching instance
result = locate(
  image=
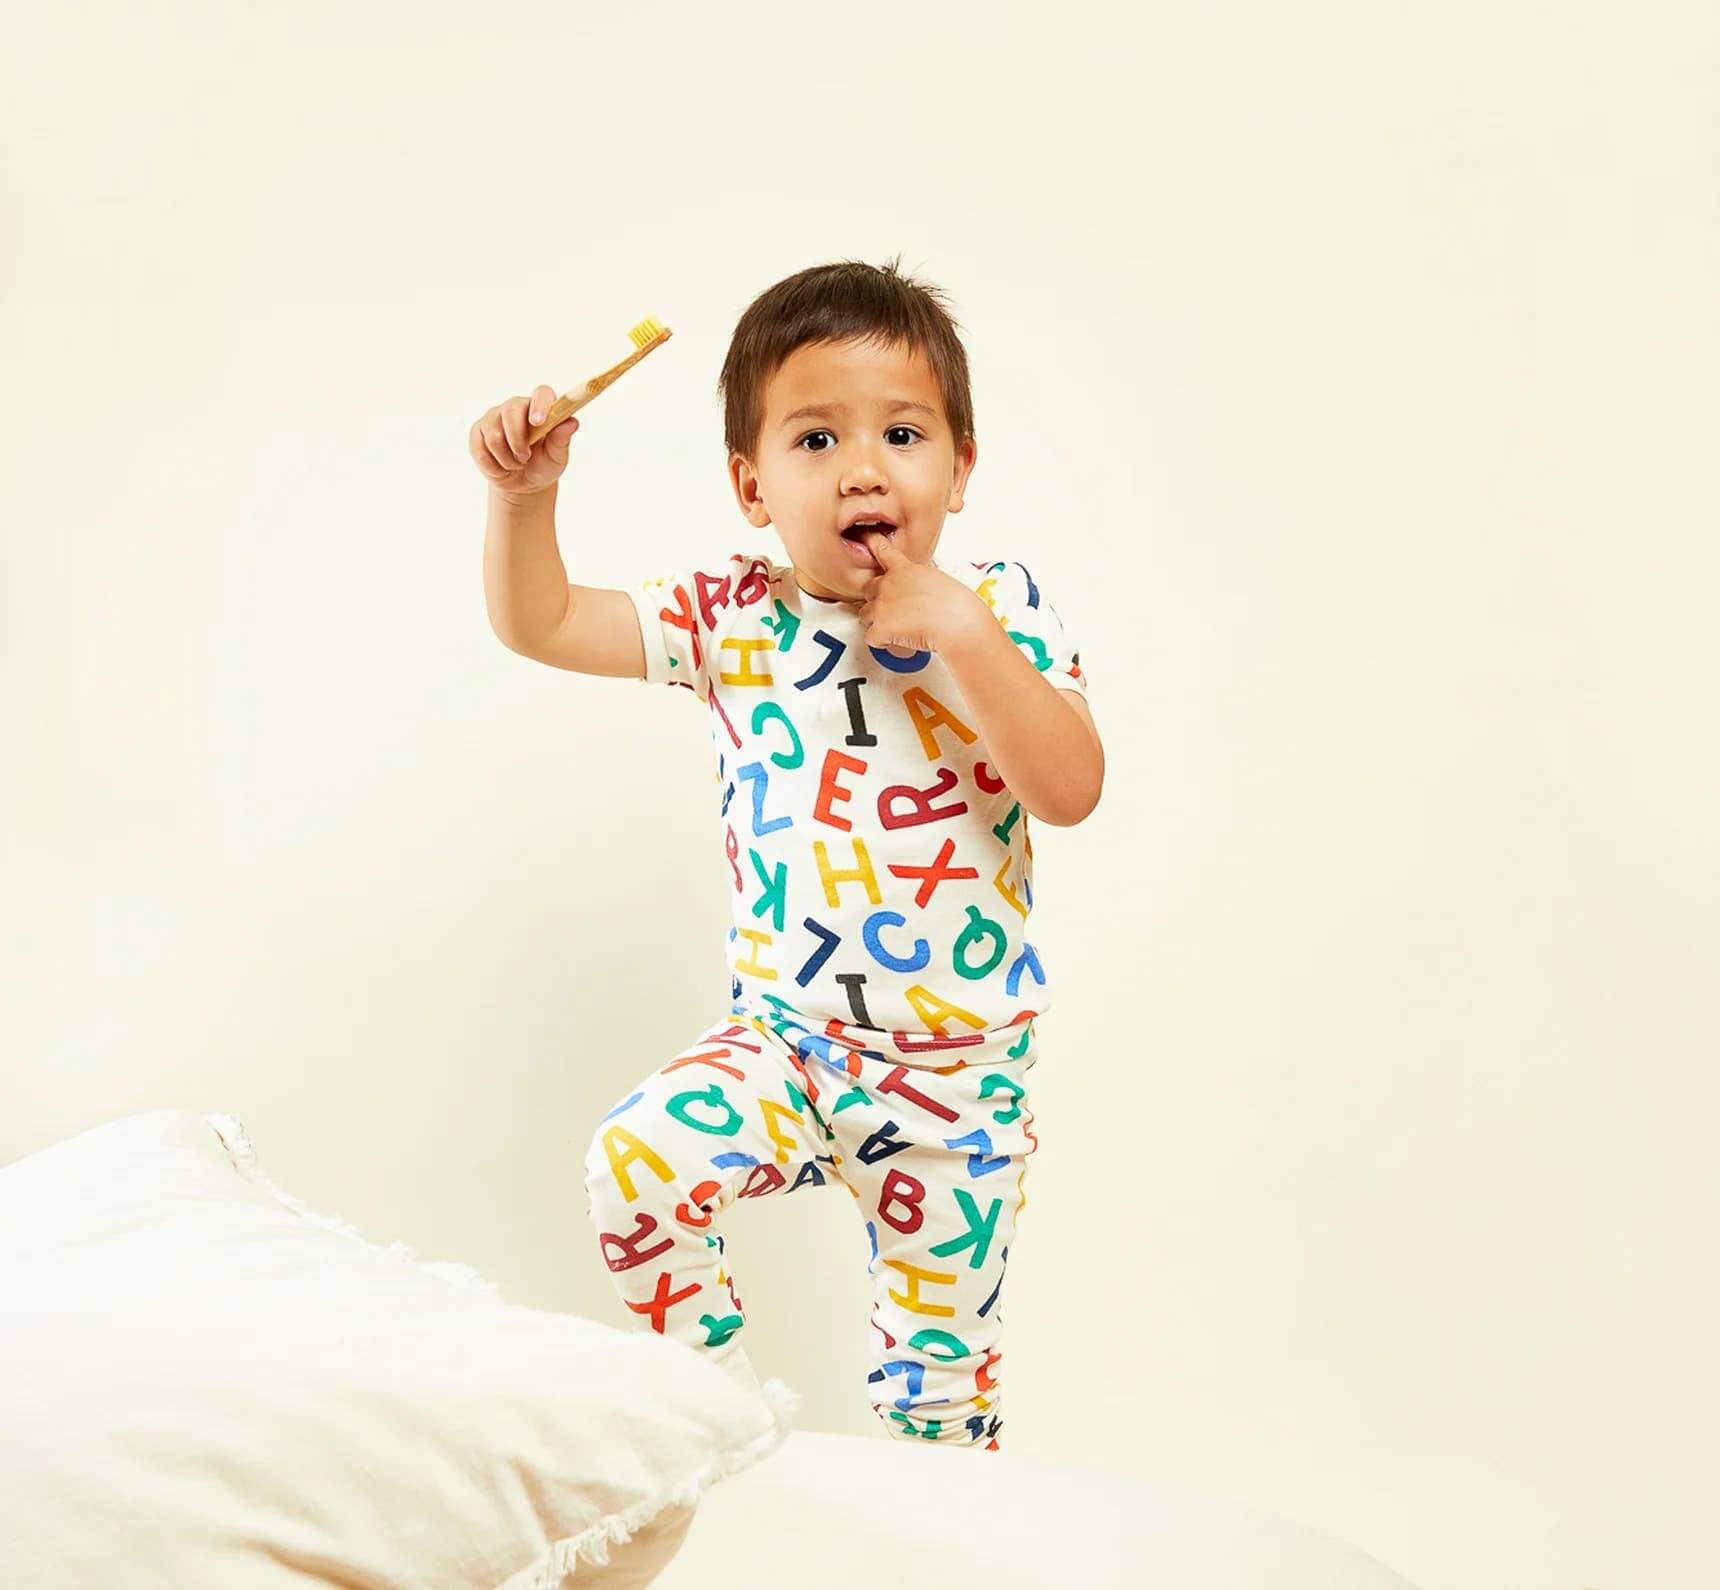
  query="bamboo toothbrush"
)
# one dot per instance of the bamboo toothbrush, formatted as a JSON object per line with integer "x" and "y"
{"x": 645, "y": 336}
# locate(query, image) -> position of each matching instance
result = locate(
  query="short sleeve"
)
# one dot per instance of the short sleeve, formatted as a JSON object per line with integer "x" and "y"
{"x": 1032, "y": 623}
{"x": 680, "y": 615}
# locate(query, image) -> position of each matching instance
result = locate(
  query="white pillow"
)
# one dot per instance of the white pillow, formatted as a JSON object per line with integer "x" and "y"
{"x": 202, "y": 1383}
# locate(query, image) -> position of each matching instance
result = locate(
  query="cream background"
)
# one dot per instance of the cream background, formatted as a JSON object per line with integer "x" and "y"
{"x": 1346, "y": 377}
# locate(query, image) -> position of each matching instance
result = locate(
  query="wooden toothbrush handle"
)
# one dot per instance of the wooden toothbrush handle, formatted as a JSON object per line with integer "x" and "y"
{"x": 572, "y": 401}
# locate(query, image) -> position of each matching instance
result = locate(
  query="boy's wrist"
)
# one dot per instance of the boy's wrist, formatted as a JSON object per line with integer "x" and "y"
{"x": 968, "y": 627}
{"x": 525, "y": 499}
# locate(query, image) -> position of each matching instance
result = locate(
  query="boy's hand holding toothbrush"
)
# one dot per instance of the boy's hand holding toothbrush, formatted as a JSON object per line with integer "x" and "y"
{"x": 520, "y": 446}
{"x": 506, "y": 457}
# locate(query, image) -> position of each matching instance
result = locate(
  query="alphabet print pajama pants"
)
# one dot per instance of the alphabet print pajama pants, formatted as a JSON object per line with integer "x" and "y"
{"x": 929, "y": 1136}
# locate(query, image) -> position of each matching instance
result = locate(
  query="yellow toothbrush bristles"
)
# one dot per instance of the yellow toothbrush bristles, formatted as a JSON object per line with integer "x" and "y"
{"x": 644, "y": 332}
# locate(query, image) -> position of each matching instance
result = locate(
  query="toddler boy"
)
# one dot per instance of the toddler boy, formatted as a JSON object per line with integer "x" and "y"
{"x": 884, "y": 726}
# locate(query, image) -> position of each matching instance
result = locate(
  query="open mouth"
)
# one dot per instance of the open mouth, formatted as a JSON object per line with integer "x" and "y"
{"x": 859, "y": 549}
{"x": 854, "y": 531}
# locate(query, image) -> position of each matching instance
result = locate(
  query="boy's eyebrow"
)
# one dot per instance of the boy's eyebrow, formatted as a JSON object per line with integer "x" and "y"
{"x": 827, "y": 410}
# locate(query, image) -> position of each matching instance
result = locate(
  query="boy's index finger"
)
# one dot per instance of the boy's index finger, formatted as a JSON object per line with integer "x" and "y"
{"x": 885, "y": 550}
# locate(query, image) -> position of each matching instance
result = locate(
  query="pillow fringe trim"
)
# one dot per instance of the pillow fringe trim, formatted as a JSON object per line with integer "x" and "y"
{"x": 590, "y": 1545}
{"x": 231, "y": 1130}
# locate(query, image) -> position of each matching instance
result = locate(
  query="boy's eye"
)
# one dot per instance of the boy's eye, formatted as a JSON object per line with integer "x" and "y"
{"x": 801, "y": 444}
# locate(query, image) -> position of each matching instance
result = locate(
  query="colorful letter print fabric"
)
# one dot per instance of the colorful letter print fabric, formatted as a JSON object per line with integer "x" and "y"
{"x": 881, "y": 871}
{"x": 935, "y": 1160}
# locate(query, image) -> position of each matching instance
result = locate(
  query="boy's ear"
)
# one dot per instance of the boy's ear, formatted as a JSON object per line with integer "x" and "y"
{"x": 745, "y": 483}
{"x": 967, "y": 455}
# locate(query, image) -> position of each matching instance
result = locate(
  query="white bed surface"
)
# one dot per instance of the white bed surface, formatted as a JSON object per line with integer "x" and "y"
{"x": 870, "y": 1513}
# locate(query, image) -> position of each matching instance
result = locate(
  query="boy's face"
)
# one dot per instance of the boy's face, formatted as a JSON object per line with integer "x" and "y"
{"x": 867, "y": 455}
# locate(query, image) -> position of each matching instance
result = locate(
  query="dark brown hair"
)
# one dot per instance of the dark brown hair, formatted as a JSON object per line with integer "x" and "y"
{"x": 845, "y": 301}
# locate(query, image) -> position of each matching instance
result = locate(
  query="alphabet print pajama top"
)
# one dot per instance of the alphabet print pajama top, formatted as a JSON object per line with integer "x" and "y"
{"x": 880, "y": 871}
